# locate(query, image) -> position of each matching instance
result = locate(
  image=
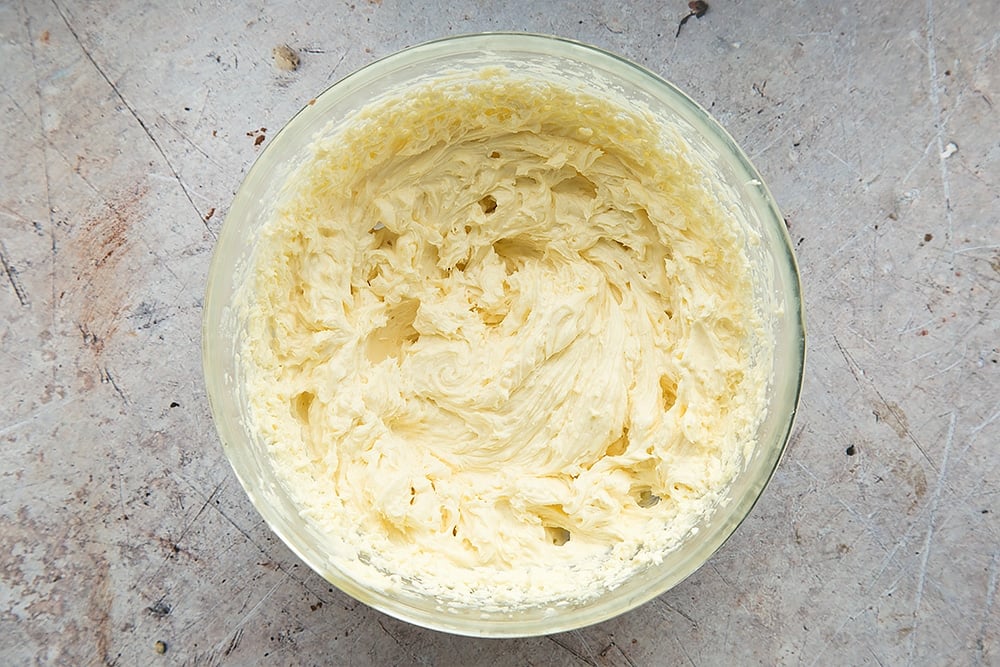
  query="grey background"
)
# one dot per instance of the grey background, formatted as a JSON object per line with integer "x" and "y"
{"x": 124, "y": 136}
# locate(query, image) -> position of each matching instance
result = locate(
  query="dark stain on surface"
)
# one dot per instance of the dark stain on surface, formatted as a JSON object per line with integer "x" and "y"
{"x": 159, "y": 609}
{"x": 149, "y": 314}
{"x": 103, "y": 267}
{"x": 912, "y": 474}
{"x": 62, "y": 576}
{"x": 99, "y": 608}
{"x": 893, "y": 415}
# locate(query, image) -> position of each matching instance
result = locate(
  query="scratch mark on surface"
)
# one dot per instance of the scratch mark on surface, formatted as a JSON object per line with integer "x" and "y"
{"x": 386, "y": 631}
{"x": 866, "y": 521}
{"x": 991, "y": 594}
{"x": 169, "y": 178}
{"x": 917, "y": 162}
{"x": 586, "y": 646}
{"x": 234, "y": 642}
{"x": 935, "y": 99}
{"x": 813, "y": 33}
{"x": 413, "y": 658}
{"x": 723, "y": 579}
{"x": 13, "y": 100}
{"x": 890, "y": 557}
{"x": 769, "y": 145}
{"x": 205, "y": 504}
{"x": 337, "y": 66}
{"x": 929, "y": 538}
{"x": 856, "y": 371}
{"x": 625, "y": 655}
{"x": 571, "y": 651}
{"x": 826, "y": 644}
{"x": 73, "y": 167}
{"x": 260, "y": 602}
{"x": 201, "y": 111}
{"x": 850, "y": 167}
{"x": 14, "y": 215}
{"x": 873, "y": 307}
{"x": 16, "y": 359}
{"x": 106, "y": 377}
{"x": 53, "y": 265}
{"x": 249, "y": 539}
{"x": 189, "y": 141}
{"x": 909, "y": 327}
{"x": 965, "y": 251}
{"x": 851, "y": 239}
{"x": 184, "y": 532}
{"x": 679, "y": 612}
{"x": 15, "y": 281}
{"x": 943, "y": 370}
{"x": 977, "y": 429}
{"x": 680, "y": 645}
{"x": 45, "y": 409}
{"x": 136, "y": 116}
{"x": 860, "y": 336}
{"x": 800, "y": 655}
{"x": 121, "y": 504}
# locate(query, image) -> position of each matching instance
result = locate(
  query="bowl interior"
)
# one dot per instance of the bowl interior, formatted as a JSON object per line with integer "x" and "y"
{"x": 775, "y": 272}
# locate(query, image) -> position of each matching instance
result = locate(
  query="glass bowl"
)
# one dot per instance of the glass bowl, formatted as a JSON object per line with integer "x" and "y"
{"x": 776, "y": 284}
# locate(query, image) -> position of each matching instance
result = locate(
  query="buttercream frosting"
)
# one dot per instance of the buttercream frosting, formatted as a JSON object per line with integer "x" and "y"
{"x": 501, "y": 341}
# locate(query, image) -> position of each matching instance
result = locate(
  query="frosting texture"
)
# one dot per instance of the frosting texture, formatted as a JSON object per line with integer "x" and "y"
{"x": 501, "y": 341}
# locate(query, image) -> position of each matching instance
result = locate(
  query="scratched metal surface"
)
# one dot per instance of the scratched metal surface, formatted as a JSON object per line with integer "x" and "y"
{"x": 126, "y": 129}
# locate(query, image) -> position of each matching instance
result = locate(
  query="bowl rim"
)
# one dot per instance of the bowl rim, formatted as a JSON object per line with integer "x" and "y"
{"x": 739, "y": 509}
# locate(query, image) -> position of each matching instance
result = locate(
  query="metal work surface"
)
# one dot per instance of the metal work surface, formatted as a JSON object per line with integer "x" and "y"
{"x": 126, "y": 129}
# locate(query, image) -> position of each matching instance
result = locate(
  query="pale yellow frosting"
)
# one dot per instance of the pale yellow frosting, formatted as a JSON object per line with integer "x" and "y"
{"x": 500, "y": 342}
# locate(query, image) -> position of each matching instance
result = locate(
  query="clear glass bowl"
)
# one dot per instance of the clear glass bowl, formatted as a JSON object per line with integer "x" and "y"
{"x": 776, "y": 275}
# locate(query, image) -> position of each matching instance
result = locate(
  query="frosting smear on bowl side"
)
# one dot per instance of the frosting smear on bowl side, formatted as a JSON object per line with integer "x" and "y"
{"x": 501, "y": 341}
